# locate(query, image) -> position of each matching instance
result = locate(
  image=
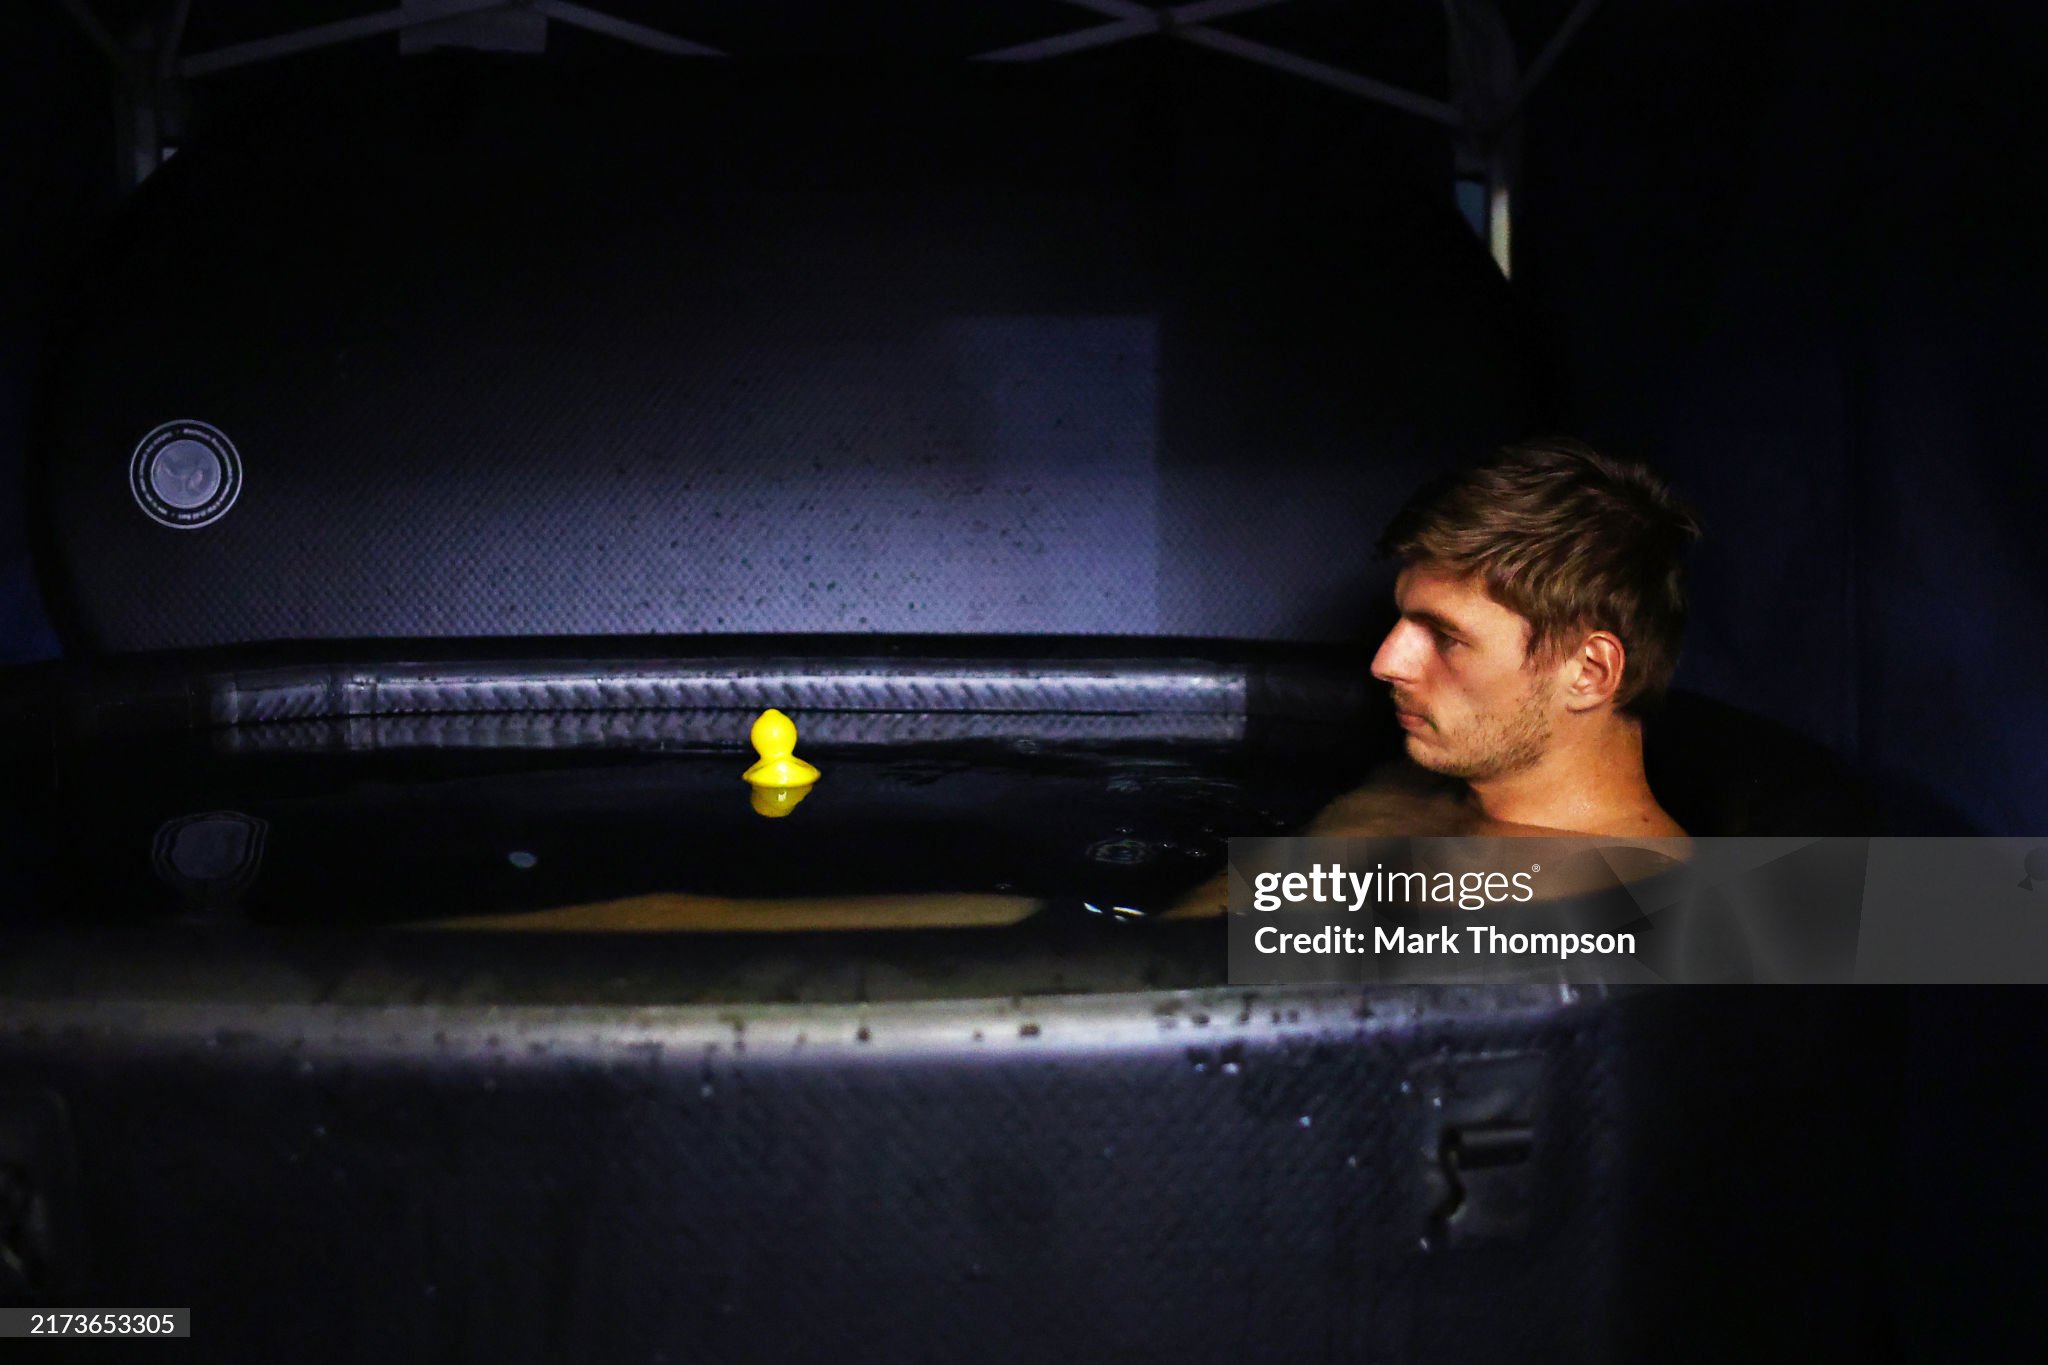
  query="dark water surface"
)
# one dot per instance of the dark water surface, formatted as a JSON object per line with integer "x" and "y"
{"x": 186, "y": 827}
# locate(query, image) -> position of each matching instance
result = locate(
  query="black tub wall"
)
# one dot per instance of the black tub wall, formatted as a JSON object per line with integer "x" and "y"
{"x": 56, "y": 184}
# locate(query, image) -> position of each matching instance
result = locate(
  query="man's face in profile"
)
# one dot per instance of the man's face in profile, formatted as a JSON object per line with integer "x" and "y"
{"x": 1472, "y": 704}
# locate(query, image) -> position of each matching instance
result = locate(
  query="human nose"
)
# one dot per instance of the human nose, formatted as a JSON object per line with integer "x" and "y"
{"x": 1395, "y": 661}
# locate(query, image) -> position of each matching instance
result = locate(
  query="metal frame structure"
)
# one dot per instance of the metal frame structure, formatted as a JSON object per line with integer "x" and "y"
{"x": 1489, "y": 89}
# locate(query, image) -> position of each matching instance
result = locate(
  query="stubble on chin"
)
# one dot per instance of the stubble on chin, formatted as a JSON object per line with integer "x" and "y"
{"x": 1508, "y": 745}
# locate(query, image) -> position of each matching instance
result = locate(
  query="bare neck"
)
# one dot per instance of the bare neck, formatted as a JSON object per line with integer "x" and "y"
{"x": 1589, "y": 781}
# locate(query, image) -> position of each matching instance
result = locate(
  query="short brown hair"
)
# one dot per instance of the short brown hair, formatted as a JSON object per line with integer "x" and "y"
{"x": 1571, "y": 540}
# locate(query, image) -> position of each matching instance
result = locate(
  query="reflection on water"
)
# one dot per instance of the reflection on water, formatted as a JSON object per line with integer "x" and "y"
{"x": 776, "y": 802}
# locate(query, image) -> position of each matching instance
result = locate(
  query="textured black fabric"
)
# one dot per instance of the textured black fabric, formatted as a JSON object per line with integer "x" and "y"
{"x": 1167, "y": 1178}
{"x": 1043, "y": 1198}
{"x": 518, "y": 358}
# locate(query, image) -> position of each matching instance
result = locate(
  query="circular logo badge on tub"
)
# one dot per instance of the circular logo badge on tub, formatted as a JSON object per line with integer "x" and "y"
{"x": 185, "y": 475}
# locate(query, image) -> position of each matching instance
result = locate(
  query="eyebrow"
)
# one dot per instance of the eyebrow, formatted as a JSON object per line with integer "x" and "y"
{"x": 1432, "y": 619}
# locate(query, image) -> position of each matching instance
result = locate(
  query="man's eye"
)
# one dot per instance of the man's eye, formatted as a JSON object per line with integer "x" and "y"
{"x": 1444, "y": 641}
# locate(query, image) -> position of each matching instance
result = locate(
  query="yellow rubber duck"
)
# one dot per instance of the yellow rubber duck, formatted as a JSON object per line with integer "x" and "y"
{"x": 774, "y": 738}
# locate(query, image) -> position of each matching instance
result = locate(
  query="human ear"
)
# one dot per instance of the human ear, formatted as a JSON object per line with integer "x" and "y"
{"x": 1594, "y": 671}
